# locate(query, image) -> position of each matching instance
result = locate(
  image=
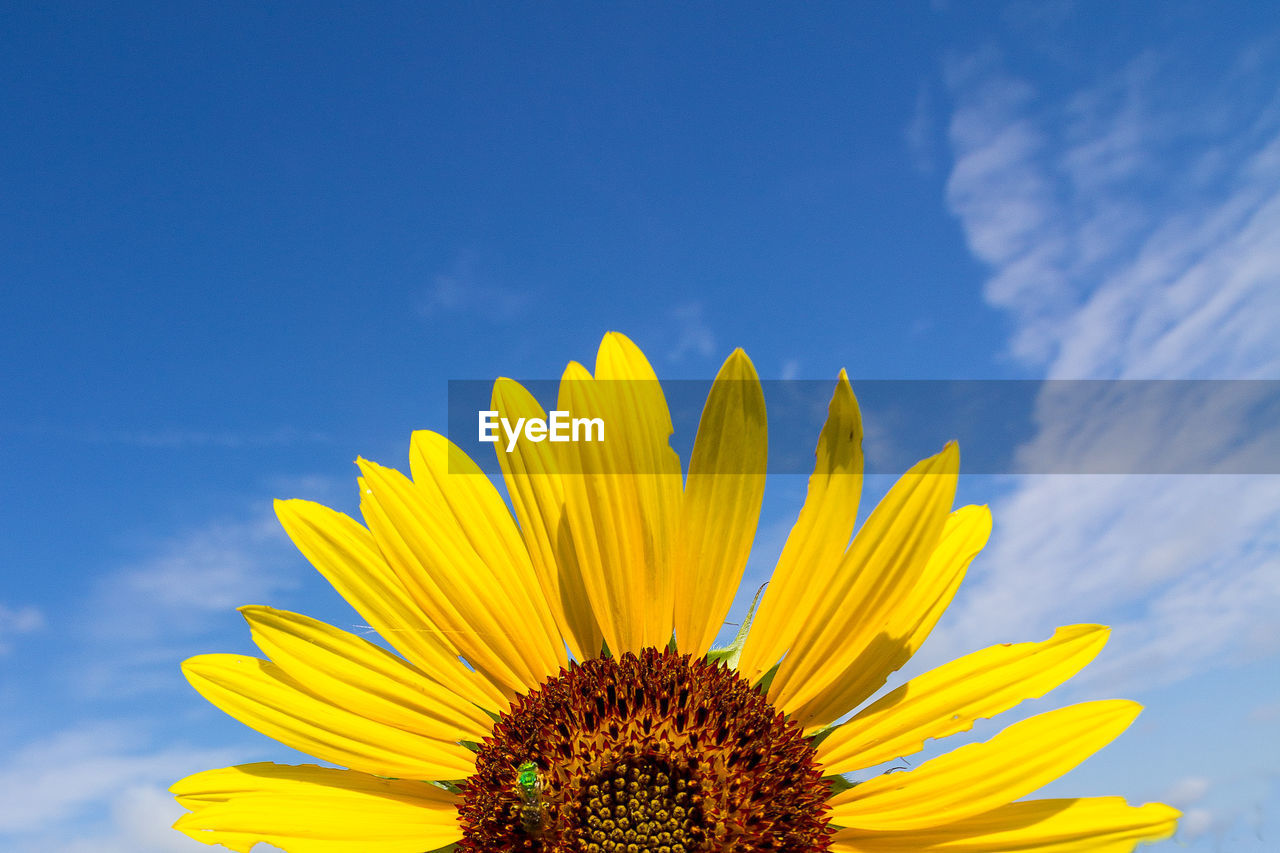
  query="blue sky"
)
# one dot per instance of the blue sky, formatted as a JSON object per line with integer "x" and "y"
{"x": 244, "y": 243}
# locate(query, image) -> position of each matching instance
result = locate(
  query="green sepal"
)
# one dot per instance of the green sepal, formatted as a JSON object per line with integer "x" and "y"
{"x": 766, "y": 680}
{"x": 730, "y": 655}
{"x": 839, "y": 783}
{"x": 822, "y": 734}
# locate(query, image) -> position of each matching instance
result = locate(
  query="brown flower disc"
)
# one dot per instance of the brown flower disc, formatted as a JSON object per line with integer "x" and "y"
{"x": 651, "y": 754}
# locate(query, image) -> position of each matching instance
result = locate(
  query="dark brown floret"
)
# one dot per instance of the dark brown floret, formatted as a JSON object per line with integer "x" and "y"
{"x": 649, "y": 754}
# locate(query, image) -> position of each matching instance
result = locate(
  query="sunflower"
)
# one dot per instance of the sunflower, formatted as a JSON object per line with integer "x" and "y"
{"x": 555, "y": 688}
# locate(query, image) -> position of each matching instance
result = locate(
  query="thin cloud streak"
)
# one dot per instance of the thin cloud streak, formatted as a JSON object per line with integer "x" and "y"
{"x": 143, "y": 617}
{"x": 1059, "y": 201}
{"x": 920, "y": 133}
{"x": 1058, "y": 198}
{"x": 175, "y": 438}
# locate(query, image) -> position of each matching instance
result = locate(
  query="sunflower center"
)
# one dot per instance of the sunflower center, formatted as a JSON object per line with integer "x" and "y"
{"x": 641, "y": 805}
{"x": 650, "y": 754}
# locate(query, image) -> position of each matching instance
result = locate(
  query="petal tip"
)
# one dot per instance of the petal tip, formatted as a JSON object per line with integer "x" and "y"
{"x": 949, "y": 457}
{"x": 738, "y": 367}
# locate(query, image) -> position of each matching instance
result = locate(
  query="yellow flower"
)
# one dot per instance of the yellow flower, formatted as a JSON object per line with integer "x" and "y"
{"x": 540, "y": 702}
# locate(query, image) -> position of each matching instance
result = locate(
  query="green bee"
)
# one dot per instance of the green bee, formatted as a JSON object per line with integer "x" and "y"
{"x": 529, "y": 785}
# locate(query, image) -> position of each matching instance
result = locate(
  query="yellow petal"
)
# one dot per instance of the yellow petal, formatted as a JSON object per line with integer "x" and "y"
{"x": 309, "y": 809}
{"x": 533, "y": 472}
{"x": 817, "y": 541}
{"x": 345, "y": 553}
{"x": 873, "y": 586}
{"x": 907, "y": 623}
{"x": 948, "y": 699}
{"x": 354, "y": 674}
{"x": 586, "y": 528}
{"x": 260, "y": 695}
{"x": 453, "y": 482}
{"x": 476, "y": 614}
{"x": 983, "y": 776}
{"x": 721, "y": 503}
{"x": 1093, "y": 825}
{"x": 622, "y": 496}
{"x": 628, "y": 382}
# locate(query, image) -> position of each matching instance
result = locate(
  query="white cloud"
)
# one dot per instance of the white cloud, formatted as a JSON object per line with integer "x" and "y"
{"x": 100, "y": 786}
{"x": 142, "y": 819}
{"x": 1184, "y": 568}
{"x": 177, "y": 437}
{"x": 692, "y": 334}
{"x": 1113, "y": 265}
{"x": 1266, "y": 713}
{"x": 186, "y": 438}
{"x": 1196, "y": 822}
{"x": 143, "y": 617}
{"x": 465, "y": 288}
{"x": 1126, "y": 242}
{"x": 65, "y": 777}
{"x": 17, "y": 621}
{"x": 139, "y": 820}
{"x": 214, "y": 568}
{"x": 1229, "y": 809}
{"x": 1186, "y": 791}
{"x": 920, "y": 132}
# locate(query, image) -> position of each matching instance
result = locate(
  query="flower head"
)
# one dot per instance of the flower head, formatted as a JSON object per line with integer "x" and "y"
{"x": 555, "y": 688}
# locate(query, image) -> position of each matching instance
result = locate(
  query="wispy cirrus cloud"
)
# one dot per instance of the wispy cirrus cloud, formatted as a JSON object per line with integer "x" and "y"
{"x": 175, "y": 437}
{"x": 1126, "y": 242}
{"x": 211, "y": 568}
{"x": 64, "y": 778}
{"x": 100, "y": 784}
{"x": 142, "y": 617}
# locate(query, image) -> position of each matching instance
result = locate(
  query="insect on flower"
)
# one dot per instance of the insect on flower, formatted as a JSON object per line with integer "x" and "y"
{"x": 529, "y": 784}
{"x": 605, "y": 553}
